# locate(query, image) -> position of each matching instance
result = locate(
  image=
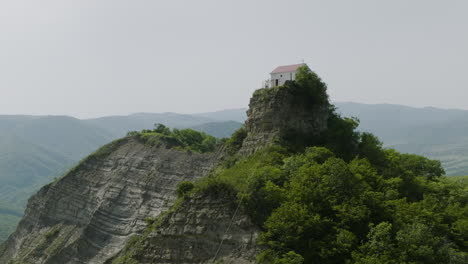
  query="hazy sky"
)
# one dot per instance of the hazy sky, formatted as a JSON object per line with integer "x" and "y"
{"x": 90, "y": 58}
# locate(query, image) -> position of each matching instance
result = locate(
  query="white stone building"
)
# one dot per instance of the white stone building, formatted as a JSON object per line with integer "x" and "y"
{"x": 282, "y": 74}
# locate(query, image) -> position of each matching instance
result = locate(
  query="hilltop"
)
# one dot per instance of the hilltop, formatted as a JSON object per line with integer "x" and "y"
{"x": 36, "y": 149}
{"x": 298, "y": 183}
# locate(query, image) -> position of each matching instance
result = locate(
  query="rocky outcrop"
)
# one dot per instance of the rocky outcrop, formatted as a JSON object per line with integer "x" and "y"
{"x": 91, "y": 213}
{"x": 280, "y": 112}
{"x": 201, "y": 228}
{"x": 95, "y": 213}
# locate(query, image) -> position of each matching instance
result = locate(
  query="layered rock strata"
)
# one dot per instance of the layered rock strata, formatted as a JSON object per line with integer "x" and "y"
{"x": 204, "y": 229}
{"x": 279, "y": 112}
{"x": 91, "y": 213}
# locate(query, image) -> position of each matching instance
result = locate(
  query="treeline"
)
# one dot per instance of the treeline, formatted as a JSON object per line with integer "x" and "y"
{"x": 340, "y": 197}
{"x": 343, "y": 198}
{"x": 184, "y": 139}
{"x": 314, "y": 207}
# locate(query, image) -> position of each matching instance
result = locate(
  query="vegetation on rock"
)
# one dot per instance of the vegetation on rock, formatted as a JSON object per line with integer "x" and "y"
{"x": 340, "y": 197}
{"x": 184, "y": 139}
{"x": 333, "y": 197}
{"x": 322, "y": 209}
{"x": 234, "y": 143}
{"x": 343, "y": 198}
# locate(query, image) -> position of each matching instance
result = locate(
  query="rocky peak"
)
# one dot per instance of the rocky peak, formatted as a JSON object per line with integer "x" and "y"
{"x": 280, "y": 112}
{"x": 92, "y": 213}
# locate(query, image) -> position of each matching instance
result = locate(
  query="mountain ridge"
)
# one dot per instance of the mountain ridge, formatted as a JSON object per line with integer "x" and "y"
{"x": 296, "y": 168}
{"x": 414, "y": 136}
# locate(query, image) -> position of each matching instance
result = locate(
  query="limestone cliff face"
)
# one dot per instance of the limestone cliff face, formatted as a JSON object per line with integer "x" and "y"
{"x": 89, "y": 215}
{"x": 279, "y": 112}
{"x": 201, "y": 228}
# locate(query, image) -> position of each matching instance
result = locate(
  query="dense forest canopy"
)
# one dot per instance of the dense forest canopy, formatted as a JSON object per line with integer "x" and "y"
{"x": 339, "y": 197}
{"x": 343, "y": 198}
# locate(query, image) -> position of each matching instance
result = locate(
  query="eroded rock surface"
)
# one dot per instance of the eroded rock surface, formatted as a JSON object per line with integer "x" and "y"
{"x": 279, "y": 112}
{"x": 90, "y": 214}
{"x": 202, "y": 228}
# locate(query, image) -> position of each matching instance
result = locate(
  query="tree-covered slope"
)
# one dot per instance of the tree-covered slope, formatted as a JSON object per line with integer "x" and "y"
{"x": 432, "y": 132}
{"x": 34, "y": 150}
{"x": 305, "y": 185}
{"x": 332, "y": 195}
{"x": 436, "y": 133}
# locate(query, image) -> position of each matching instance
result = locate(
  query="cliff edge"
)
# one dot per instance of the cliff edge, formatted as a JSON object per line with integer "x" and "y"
{"x": 102, "y": 205}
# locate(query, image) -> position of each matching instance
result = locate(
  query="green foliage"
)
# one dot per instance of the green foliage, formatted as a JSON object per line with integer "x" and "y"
{"x": 52, "y": 233}
{"x": 352, "y": 201}
{"x": 161, "y": 129}
{"x": 290, "y": 257}
{"x": 341, "y": 136}
{"x": 436, "y": 133}
{"x": 184, "y": 139}
{"x": 311, "y": 87}
{"x": 234, "y": 143}
{"x": 184, "y": 188}
{"x": 371, "y": 148}
{"x": 381, "y": 206}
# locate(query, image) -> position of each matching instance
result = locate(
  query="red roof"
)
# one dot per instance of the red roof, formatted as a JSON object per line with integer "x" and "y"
{"x": 288, "y": 68}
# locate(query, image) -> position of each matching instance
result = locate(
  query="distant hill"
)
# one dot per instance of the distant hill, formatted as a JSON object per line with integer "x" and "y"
{"x": 219, "y": 129}
{"x": 432, "y": 132}
{"x": 118, "y": 126}
{"x": 238, "y": 115}
{"x": 390, "y": 122}
{"x": 35, "y": 149}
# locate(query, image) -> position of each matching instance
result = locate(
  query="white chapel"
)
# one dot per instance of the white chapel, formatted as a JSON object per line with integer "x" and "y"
{"x": 282, "y": 74}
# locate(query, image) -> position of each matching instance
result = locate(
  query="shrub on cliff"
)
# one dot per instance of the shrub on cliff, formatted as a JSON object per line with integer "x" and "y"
{"x": 234, "y": 143}
{"x": 185, "y": 139}
{"x": 312, "y": 87}
{"x": 340, "y": 136}
{"x": 351, "y": 201}
{"x": 184, "y": 188}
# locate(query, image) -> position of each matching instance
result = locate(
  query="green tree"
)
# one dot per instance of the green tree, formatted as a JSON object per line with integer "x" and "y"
{"x": 184, "y": 188}
{"x": 161, "y": 129}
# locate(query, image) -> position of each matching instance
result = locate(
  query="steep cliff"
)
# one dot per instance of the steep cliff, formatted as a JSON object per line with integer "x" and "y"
{"x": 90, "y": 214}
{"x": 101, "y": 211}
{"x": 202, "y": 229}
{"x": 282, "y": 112}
